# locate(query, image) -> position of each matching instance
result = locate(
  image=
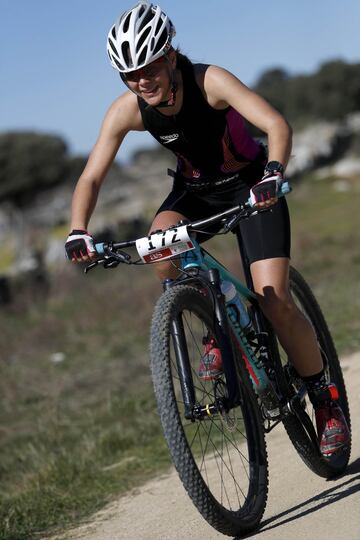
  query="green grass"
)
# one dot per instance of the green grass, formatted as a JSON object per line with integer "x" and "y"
{"x": 326, "y": 240}
{"x": 78, "y": 432}
{"x": 77, "y": 462}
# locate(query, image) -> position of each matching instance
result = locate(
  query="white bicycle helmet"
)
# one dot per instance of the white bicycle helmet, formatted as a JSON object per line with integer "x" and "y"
{"x": 140, "y": 36}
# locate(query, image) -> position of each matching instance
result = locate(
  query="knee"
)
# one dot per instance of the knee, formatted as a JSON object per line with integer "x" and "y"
{"x": 279, "y": 308}
{"x": 166, "y": 270}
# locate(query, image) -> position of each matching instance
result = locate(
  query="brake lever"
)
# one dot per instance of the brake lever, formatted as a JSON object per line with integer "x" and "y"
{"x": 120, "y": 256}
{"x": 106, "y": 248}
{"x": 111, "y": 262}
{"x": 107, "y": 262}
{"x": 93, "y": 265}
{"x": 236, "y": 218}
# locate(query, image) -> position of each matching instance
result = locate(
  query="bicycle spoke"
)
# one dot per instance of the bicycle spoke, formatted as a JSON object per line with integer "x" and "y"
{"x": 218, "y": 442}
{"x": 229, "y": 470}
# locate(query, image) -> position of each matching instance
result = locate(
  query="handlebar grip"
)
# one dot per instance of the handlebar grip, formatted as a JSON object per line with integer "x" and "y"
{"x": 284, "y": 190}
{"x": 100, "y": 248}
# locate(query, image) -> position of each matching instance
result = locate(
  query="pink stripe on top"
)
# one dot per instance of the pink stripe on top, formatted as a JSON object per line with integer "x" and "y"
{"x": 241, "y": 138}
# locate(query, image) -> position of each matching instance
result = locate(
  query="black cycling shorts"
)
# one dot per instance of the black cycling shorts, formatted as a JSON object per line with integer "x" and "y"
{"x": 265, "y": 235}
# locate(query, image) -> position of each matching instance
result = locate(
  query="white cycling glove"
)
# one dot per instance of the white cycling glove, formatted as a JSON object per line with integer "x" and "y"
{"x": 269, "y": 185}
{"x": 78, "y": 244}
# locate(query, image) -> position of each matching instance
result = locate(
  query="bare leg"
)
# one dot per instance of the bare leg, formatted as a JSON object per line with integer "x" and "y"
{"x": 164, "y": 220}
{"x": 296, "y": 335}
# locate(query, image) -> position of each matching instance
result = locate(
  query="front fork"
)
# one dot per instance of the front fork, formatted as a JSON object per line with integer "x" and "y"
{"x": 221, "y": 336}
{"x": 183, "y": 366}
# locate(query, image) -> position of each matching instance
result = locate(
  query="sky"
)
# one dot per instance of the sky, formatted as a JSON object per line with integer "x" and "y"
{"x": 55, "y": 76}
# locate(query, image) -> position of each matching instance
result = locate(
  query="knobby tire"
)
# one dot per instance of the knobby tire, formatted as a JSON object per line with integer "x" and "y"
{"x": 308, "y": 451}
{"x": 194, "y": 446}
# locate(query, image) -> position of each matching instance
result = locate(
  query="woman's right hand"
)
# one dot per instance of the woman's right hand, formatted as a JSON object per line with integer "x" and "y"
{"x": 79, "y": 246}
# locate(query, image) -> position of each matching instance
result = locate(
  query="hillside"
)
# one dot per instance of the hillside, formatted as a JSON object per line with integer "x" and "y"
{"x": 34, "y": 226}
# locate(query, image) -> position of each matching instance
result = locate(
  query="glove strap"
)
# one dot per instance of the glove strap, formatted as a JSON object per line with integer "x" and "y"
{"x": 78, "y": 231}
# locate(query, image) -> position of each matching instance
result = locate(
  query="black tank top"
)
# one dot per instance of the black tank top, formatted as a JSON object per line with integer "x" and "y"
{"x": 208, "y": 143}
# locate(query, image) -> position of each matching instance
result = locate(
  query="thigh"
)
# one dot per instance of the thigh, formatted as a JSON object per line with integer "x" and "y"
{"x": 267, "y": 234}
{"x": 271, "y": 277}
{"x": 181, "y": 204}
{"x": 165, "y": 219}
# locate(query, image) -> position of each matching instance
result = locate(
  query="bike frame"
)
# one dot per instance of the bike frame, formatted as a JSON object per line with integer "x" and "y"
{"x": 225, "y": 327}
{"x": 192, "y": 263}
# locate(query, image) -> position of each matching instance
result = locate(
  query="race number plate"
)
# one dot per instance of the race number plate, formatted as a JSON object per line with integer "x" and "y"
{"x": 164, "y": 245}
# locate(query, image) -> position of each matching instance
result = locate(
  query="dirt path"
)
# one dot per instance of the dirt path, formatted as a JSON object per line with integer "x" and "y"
{"x": 300, "y": 504}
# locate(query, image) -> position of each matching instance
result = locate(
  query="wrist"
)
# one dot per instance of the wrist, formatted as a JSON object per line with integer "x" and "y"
{"x": 274, "y": 167}
{"x": 78, "y": 231}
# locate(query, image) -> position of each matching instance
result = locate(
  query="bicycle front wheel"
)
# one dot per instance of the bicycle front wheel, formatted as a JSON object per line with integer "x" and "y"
{"x": 221, "y": 458}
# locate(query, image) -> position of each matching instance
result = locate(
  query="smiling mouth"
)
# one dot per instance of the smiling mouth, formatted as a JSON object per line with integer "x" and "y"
{"x": 151, "y": 91}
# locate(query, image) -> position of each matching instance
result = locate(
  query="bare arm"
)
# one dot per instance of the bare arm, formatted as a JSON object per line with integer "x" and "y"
{"x": 122, "y": 117}
{"x": 222, "y": 89}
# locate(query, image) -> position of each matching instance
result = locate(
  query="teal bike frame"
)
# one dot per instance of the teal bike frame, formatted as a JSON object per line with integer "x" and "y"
{"x": 200, "y": 259}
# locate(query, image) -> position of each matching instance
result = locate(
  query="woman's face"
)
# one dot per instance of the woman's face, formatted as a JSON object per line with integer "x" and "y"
{"x": 152, "y": 82}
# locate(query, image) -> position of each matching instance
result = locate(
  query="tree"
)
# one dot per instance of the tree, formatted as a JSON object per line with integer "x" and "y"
{"x": 30, "y": 162}
{"x": 330, "y": 94}
{"x": 271, "y": 85}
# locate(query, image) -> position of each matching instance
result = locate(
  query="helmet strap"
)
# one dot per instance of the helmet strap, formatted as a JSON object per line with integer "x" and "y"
{"x": 172, "y": 100}
{"x": 173, "y": 88}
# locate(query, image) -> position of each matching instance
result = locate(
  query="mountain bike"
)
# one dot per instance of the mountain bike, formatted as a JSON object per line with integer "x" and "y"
{"x": 215, "y": 429}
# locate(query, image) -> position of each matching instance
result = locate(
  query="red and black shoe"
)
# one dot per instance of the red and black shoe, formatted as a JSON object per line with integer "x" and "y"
{"x": 210, "y": 363}
{"x": 332, "y": 428}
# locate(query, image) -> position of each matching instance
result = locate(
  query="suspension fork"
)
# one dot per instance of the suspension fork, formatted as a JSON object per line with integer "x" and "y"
{"x": 222, "y": 336}
{"x": 222, "y": 332}
{"x": 182, "y": 361}
{"x": 183, "y": 366}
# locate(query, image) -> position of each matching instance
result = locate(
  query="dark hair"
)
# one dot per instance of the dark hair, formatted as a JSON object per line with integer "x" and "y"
{"x": 182, "y": 57}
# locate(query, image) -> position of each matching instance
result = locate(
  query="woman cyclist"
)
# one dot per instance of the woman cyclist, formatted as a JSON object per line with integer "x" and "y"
{"x": 198, "y": 111}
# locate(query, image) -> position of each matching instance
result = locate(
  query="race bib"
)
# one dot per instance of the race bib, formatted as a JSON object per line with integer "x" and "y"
{"x": 164, "y": 245}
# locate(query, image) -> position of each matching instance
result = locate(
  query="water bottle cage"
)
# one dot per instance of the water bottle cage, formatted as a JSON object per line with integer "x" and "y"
{"x": 262, "y": 357}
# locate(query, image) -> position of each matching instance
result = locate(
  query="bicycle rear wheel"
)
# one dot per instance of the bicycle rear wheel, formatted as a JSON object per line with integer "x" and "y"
{"x": 221, "y": 459}
{"x": 297, "y": 431}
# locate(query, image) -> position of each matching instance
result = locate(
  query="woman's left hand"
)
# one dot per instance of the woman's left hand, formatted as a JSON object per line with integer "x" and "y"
{"x": 265, "y": 192}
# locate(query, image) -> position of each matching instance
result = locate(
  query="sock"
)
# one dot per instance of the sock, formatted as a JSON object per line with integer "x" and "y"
{"x": 319, "y": 390}
{"x": 315, "y": 381}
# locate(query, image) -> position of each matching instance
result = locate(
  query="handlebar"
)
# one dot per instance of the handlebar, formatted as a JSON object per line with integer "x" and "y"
{"x": 113, "y": 254}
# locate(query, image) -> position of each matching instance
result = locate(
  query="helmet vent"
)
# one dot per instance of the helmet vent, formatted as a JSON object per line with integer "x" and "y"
{"x": 149, "y": 17}
{"x": 161, "y": 41}
{"x": 142, "y": 56}
{"x": 126, "y": 23}
{"x": 125, "y": 49}
{"x": 113, "y": 32}
{"x": 142, "y": 38}
{"x": 113, "y": 59}
{"x": 141, "y": 11}
{"x": 113, "y": 48}
{"x": 158, "y": 26}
